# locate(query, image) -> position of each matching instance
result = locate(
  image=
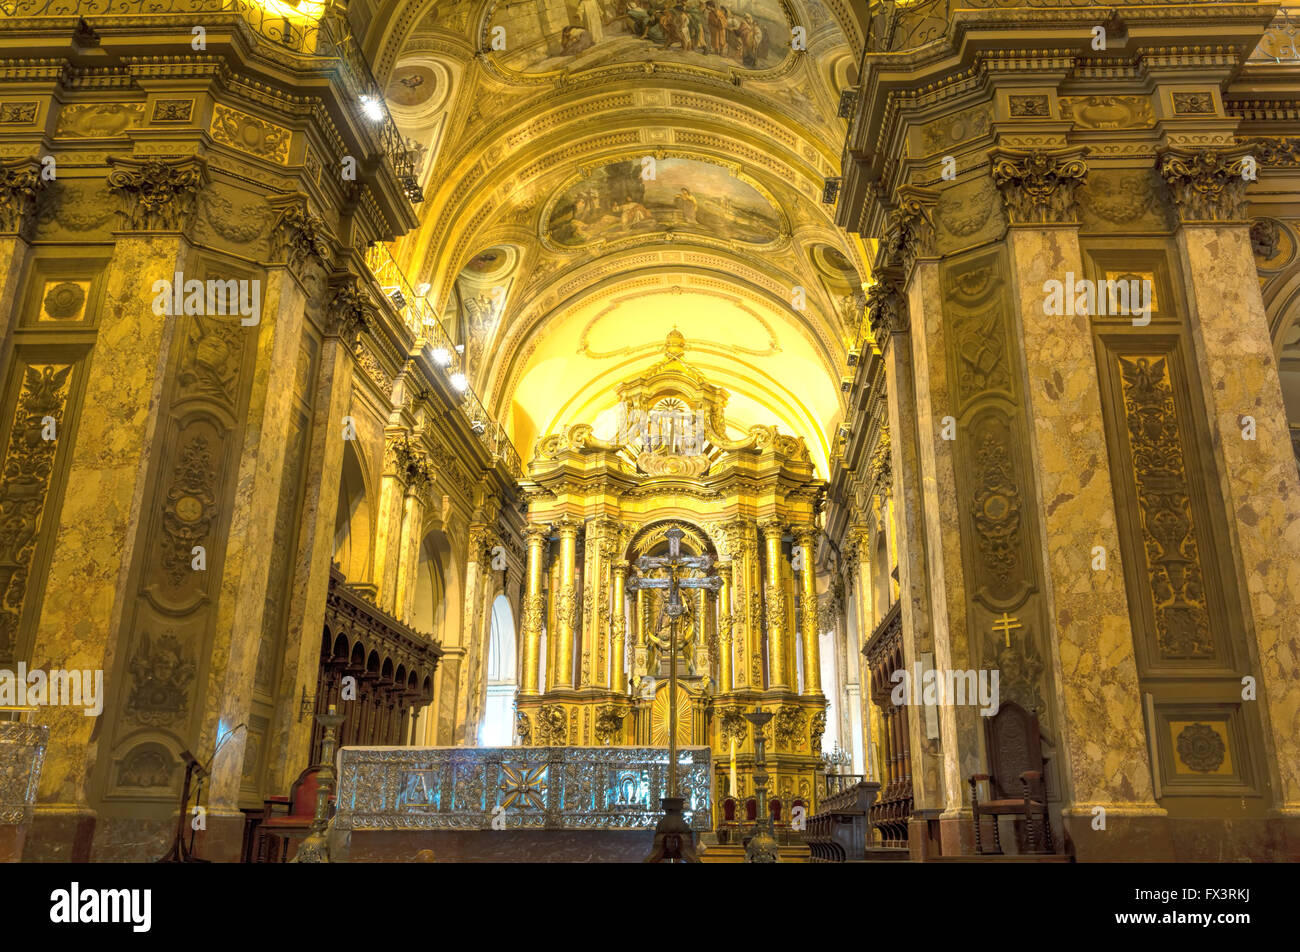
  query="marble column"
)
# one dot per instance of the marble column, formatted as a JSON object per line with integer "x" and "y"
{"x": 85, "y": 616}
{"x": 1076, "y": 508}
{"x": 392, "y": 503}
{"x": 408, "y": 553}
{"x": 290, "y": 734}
{"x": 534, "y": 608}
{"x": 1238, "y": 374}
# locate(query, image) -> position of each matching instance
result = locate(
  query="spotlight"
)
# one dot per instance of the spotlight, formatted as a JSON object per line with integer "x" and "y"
{"x": 373, "y": 108}
{"x": 441, "y": 356}
{"x": 478, "y": 426}
{"x": 460, "y": 348}
{"x": 458, "y": 381}
{"x": 423, "y": 289}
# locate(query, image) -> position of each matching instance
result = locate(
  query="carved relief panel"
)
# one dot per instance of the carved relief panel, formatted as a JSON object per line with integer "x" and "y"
{"x": 1183, "y": 596}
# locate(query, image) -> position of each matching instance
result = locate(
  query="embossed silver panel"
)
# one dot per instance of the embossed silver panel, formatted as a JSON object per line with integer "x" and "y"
{"x": 528, "y": 788}
{"x": 22, "y": 752}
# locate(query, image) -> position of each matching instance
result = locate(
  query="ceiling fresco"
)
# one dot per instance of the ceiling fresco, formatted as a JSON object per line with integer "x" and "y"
{"x": 601, "y": 171}
{"x": 638, "y": 197}
{"x": 551, "y": 35}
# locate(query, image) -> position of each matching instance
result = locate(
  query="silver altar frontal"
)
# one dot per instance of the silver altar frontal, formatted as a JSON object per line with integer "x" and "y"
{"x": 516, "y": 788}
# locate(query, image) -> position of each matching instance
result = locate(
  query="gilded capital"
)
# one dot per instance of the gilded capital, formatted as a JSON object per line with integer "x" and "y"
{"x": 1208, "y": 184}
{"x": 349, "y": 311}
{"x": 886, "y": 309}
{"x": 909, "y": 233}
{"x": 299, "y": 238}
{"x": 155, "y": 194}
{"x": 1040, "y": 186}
{"x": 20, "y": 187}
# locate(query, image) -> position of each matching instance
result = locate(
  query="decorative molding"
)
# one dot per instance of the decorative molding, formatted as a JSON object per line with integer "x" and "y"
{"x": 298, "y": 237}
{"x": 909, "y": 234}
{"x": 250, "y": 134}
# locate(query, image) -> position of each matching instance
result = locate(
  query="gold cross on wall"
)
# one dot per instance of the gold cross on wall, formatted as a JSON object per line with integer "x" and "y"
{"x": 1005, "y": 624}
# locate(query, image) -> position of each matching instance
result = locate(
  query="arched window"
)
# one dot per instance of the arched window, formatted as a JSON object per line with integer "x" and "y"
{"x": 498, "y": 728}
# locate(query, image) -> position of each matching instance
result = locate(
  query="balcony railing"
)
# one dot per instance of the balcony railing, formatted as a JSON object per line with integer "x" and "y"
{"x": 420, "y": 318}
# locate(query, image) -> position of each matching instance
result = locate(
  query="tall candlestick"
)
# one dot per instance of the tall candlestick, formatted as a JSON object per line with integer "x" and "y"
{"x": 733, "y": 766}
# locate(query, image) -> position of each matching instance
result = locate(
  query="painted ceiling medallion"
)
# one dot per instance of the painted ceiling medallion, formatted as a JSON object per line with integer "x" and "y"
{"x": 573, "y": 35}
{"x": 621, "y": 200}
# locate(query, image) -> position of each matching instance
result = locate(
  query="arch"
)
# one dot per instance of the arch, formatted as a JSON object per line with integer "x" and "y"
{"x": 353, "y": 521}
{"x": 436, "y": 585}
{"x": 498, "y": 726}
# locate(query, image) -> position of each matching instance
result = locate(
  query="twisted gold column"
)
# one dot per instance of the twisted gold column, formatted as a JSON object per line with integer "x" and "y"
{"x": 534, "y": 601}
{"x": 618, "y": 647}
{"x": 567, "y": 608}
{"x": 806, "y": 537}
{"x": 777, "y": 652}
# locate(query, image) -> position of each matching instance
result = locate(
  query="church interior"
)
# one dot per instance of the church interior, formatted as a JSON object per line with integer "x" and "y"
{"x": 676, "y": 430}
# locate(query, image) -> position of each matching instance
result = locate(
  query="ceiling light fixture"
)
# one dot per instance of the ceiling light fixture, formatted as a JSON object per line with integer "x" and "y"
{"x": 458, "y": 381}
{"x": 373, "y": 108}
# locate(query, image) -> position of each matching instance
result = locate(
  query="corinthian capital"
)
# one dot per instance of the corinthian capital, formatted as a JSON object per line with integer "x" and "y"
{"x": 298, "y": 237}
{"x": 349, "y": 310}
{"x": 886, "y": 309}
{"x": 1039, "y": 186}
{"x": 1207, "y": 184}
{"x": 909, "y": 233}
{"x": 155, "y": 194}
{"x": 20, "y": 186}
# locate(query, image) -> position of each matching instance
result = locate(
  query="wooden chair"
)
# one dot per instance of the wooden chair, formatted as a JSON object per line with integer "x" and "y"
{"x": 280, "y": 827}
{"x": 1016, "y": 783}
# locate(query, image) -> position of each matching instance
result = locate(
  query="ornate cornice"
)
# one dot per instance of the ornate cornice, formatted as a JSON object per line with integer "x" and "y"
{"x": 156, "y": 194}
{"x": 1040, "y": 186}
{"x": 1207, "y": 184}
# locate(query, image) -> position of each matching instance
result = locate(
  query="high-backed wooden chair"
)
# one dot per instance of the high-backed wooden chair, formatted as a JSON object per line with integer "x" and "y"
{"x": 1016, "y": 782}
{"x": 279, "y": 829}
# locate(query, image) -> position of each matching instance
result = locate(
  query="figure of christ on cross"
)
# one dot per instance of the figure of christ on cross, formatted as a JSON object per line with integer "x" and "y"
{"x": 674, "y": 563}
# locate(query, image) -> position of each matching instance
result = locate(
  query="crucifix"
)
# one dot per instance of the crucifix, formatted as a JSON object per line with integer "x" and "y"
{"x": 672, "y": 837}
{"x": 1006, "y": 624}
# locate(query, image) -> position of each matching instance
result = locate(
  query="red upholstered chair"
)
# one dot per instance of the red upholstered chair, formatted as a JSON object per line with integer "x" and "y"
{"x": 729, "y": 810}
{"x": 279, "y": 828}
{"x": 751, "y": 810}
{"x": 775, "y": 806}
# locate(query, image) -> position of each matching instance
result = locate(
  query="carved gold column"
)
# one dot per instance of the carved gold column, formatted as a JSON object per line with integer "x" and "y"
{"x": 618, "y": 633}
{"x": 552, "y": 620}
{"x": 806, "y": 536}
{"x": 567, "y": 606}
{"x": 777, "y": 652}
{"x": 725, "y": 671}
{"x": 534, "y": 604}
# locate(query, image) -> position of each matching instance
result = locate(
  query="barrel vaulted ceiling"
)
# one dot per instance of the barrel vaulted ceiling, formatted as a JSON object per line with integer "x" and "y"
{"x": 609, "y": 172}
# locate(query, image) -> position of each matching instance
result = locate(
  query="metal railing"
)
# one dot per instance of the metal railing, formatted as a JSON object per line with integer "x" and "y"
{"x": 420, "y": 318}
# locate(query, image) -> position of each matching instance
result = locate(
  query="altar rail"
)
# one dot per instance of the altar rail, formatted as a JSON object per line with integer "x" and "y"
{"x": 520, "y": 788}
